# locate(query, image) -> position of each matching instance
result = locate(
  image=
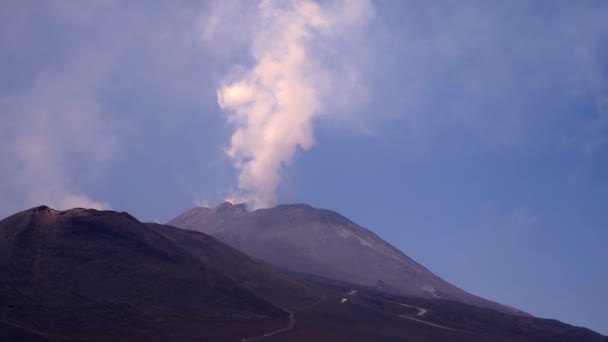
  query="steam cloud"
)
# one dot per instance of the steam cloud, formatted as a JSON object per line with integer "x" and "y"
{"x": 272, "y": 105}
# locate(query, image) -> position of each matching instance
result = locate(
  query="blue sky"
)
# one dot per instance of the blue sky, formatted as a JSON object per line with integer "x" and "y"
{"x": 472, "y": 135}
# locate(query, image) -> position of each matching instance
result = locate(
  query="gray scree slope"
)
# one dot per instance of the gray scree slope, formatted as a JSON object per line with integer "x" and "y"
{"x": 300, "y": 238}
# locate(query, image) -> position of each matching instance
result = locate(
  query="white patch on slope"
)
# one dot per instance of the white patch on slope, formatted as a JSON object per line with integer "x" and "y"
{"x": 378, "y": 246}
{"x": 431, "y": 290}
{"x": 346, "y": 233}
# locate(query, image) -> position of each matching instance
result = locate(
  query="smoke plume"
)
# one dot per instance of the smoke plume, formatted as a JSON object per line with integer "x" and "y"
{"x": 272, "y": 105}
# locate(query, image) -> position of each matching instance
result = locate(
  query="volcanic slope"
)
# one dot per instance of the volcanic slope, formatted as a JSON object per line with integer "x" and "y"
{"x": 303, "y": 239}
{"x": 351, "y": 314}
{"x": 258, "y": 277}
{"x": 86, "y": 274}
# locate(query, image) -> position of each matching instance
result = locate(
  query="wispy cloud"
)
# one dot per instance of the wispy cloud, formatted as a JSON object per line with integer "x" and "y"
{"x": 70, "y": 72}
{"x": 58, "y": 138}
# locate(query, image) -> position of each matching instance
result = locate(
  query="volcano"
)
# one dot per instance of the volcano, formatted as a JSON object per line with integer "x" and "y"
{"x": 303, "y": 239}
{"x": 88, "y": 275}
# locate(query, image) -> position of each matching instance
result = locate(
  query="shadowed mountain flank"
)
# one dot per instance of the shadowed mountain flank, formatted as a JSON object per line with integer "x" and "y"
{"x": 258, "y": 277}
{"x": 102, "y": 273}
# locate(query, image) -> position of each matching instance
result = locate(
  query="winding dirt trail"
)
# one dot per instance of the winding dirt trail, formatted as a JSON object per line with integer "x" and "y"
{"x": 290, "y": 325}
{"x": 425, "y": 322}
{"x": 421, "y": 312}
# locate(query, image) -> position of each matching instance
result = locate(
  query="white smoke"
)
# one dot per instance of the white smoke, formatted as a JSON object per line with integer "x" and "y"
{"x": 272, "y": 104}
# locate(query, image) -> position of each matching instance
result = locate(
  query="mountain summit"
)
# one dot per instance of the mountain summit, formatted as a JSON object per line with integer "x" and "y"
{"x": 70, "y": 275}
{"x": 303, "y": 239}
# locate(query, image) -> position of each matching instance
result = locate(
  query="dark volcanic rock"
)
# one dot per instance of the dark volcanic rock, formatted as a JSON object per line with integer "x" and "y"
{"x": 82, "y": 273}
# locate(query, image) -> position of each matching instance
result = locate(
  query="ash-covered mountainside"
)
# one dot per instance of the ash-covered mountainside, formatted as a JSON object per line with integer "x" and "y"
{"x": 83, "y": 273}
{"x": 300, "y": 238}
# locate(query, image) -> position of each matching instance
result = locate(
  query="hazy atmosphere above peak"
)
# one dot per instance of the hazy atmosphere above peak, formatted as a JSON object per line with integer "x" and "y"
{"x": 472, "y": 135}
